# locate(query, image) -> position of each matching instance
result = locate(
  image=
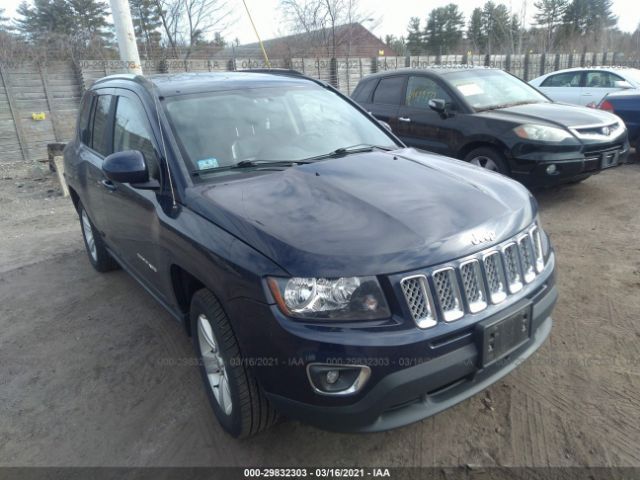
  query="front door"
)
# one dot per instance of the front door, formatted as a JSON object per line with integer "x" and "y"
{"x": 94, "y": 145}
{"x": 418, "y": 125}
{"x": 134, "y": 223}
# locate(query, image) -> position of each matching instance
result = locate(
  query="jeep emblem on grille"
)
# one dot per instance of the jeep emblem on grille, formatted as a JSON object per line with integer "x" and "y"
{"x": 482, "y": 236}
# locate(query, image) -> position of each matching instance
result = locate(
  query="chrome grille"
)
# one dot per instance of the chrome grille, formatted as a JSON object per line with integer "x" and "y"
{"x": 473, "y": 286}
{"x": 512, "y": 267}
{"x": 416, "y": 292}
{"x": 448, "y": 294}
{"x": 467, "y": 286}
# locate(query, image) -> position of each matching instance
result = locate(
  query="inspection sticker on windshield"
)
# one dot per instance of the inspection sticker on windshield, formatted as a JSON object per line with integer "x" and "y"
{"x": 469, "y": 89}
{"x": 207, "y": 163}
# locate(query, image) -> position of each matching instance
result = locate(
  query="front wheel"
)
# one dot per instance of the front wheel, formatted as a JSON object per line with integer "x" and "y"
{"x": 489, "y": 158}
{"x": 236, "y": 398}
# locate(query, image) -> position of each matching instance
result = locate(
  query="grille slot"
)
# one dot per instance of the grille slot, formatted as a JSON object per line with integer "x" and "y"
{"x": 473, "y": 286}
{"x": 448, "y": 293}
{"x": 495, "y": 277}
{"x": 528, "y": 262}
{"x": 512, "y": 267}
{"x": 537, "y": 248}
{"x": 416, "y": 292}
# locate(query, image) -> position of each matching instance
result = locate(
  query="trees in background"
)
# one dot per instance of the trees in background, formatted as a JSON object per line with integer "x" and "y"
{"x": 493, "y": 28}
{"x": 550, "y": 17}
{"x": 64, "y": 26}
{"x": 147, "y": 24}
{"x": 175, "y": 28}
{"x": 319, "y": 21}
{"x": 443, "y": 32}
{"x": 415, "y": 37}
{"x": 397, "y": 44}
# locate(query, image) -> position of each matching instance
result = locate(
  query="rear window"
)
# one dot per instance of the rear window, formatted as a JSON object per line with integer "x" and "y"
{"x": 567, "y": 79}
{"x": 84, "y": 130}
{"x": 363, "y": 92}
{"x": 100, "y": 141}
{"x": 389, "y": 91}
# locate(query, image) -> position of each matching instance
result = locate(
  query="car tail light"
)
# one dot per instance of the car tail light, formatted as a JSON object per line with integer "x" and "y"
{"x": 606, "y": 105}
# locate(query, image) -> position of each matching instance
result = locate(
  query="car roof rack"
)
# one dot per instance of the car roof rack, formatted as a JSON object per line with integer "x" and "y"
{"x": 276, "y": 71}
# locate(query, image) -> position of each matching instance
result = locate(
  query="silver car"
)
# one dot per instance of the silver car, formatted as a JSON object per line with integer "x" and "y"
{"x": 586, "y": 86}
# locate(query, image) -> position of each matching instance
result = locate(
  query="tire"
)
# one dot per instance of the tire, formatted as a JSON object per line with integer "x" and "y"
{"x": 97, "y": 252}
{"x": 489, "y": 158}
{"x": 236, "y": 398}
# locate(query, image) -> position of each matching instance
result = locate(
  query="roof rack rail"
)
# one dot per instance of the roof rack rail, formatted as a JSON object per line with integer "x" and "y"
{"x": 276, "y": 71}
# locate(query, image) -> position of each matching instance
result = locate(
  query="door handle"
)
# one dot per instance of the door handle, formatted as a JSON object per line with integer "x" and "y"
{"x": 587, "y": 94}
{"x": 404, "y": 119}
{"x": 108, "y": 184}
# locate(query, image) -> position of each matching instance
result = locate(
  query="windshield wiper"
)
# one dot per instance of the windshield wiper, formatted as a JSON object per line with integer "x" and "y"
{"x": 505, "y": 105}
{"x": 250, "y": 163}
{"x": 342, "y": 151}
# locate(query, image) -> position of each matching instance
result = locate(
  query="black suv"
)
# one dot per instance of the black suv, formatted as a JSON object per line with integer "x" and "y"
{"x": 494, "y": 120}
{"x": 324, "y": 271}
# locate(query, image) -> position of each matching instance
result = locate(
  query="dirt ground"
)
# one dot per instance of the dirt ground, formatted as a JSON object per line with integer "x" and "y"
{"x": 91, "y": 370}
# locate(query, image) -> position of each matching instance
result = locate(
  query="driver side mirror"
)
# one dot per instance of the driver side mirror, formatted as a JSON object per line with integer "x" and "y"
{"x": 127, "y": 167}
{"x": 438, "y": 105}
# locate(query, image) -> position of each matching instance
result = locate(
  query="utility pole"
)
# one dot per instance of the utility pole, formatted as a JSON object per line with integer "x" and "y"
{"x": 126, "y": 35}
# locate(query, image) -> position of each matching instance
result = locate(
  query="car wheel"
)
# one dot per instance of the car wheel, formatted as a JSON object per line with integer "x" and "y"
{"x": 489, "y": 158}
{"x": 236, "y": 398}
{"x": 97, "y": 252}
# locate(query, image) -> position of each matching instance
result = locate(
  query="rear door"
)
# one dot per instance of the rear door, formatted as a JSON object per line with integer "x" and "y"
{"x": 418, "y": 125}
{"x": 134, "y": 225}
{"x": 386, "y": 99}
{"x": 94, "y": 145}
{"x": 563, "y": 87}
{"x": 597, "y": 85}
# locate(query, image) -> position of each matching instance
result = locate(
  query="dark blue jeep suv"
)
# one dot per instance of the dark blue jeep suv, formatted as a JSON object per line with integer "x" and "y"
{"x": 324, "y": 271}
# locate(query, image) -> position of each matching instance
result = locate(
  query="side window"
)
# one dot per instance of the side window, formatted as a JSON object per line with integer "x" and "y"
{"x": 389, "y": 91}
{"x": 84, "y": 130}
{"x": 363, "y": 92}
{"x": 131, "y": 131}
{"x": 567, "y": 79}
{"x": 100, "y": 131}
{"x": 602, "y": 80}
{"x": 422, "y": 89}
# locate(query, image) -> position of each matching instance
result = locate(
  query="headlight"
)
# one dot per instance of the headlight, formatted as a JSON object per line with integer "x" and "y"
{"x": 344, "y": 298}
{"x": 542, "y": 133}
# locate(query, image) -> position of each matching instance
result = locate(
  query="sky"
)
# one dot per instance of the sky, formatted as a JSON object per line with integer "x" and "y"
{"x": 388, "y": 16}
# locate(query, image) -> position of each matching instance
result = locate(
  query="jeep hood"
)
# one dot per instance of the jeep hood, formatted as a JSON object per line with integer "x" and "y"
{"x": 365, "y": 214}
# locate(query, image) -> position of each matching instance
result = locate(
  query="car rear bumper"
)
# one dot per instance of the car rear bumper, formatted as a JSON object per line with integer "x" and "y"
{"x": 412, "y": 394}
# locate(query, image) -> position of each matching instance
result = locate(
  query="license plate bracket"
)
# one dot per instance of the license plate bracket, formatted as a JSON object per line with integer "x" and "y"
{"x": 500, "y": 336}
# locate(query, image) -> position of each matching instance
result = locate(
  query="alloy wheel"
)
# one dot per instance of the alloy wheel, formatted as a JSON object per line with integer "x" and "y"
{"x": 214, "y": 365}
{"x": 485, "y": 162}
{"x": 87, "y": 231}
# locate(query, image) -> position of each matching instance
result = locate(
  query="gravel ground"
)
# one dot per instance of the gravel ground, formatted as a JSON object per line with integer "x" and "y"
{"x": 93, "y": 372}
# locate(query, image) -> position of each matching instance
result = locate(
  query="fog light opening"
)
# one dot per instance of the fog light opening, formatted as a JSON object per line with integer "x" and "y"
{"x": 330, "y": 379}
{"x": 332, "y": 376}
{"x": 552, "y": 169}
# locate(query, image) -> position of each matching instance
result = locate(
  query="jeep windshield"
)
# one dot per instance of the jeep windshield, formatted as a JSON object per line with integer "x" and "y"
{"x": 493, "y": 89}
{"x": 272, "y": 127}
